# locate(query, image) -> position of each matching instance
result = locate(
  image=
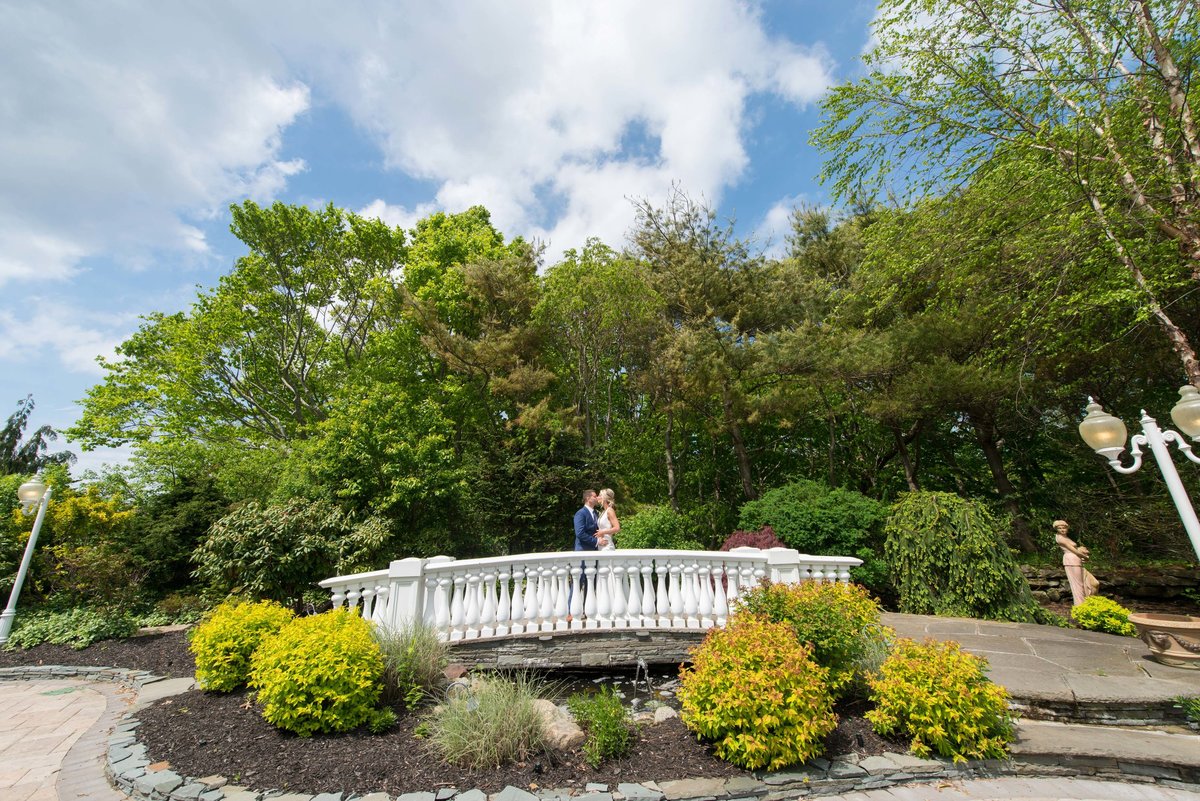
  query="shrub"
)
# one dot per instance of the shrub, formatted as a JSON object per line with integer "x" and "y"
{"x": 937, "y": 694}
{"x": 277, "y": 551}
{"x": 225, "y": 641}
{"x": 319, "y": 674}
{"x": 816, "y": 519}
{"x": 839, "y": 621}
{"x": 948, "y": 557}
{"x": 497, "y": 722}
{"x": 764, "y": 538}
{"x": 413, "y": 661}
{"x": 755, "y": 692}
{"x": 657, "y": 527}
{"x": 609, "y": 734}
{"x": 77, "y": 628}
{"x": 1098, "y": 613}
{"x": 1191, "y": 709}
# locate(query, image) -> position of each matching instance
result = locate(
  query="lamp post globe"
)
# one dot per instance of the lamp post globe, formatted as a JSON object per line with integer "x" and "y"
{"x": 1102, "y": 432}
{"x": 30, "y": 493}
{"x": 1186, "y": 413}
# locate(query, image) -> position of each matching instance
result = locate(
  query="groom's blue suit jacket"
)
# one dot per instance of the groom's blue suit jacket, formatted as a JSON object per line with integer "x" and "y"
{"x": 585, "y": 530}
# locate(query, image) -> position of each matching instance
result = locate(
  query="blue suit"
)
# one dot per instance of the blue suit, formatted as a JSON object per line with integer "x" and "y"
{"x": 585, "y": 530}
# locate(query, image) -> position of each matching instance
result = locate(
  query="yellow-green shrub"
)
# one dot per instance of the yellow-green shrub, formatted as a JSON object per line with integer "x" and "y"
{"x": 224, "y": 642}
{"x": 319, "y": 674}
{"x": 837, "y": 620}
{"x": 937, "y": 694}
{"x": 1103, "y": 614}
{"x": 755, "y": 692}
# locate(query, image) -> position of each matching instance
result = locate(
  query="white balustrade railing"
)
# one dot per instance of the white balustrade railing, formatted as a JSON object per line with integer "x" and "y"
{"x": 501, "y": 596}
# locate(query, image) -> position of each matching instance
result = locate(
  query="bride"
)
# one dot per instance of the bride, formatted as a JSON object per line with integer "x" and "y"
{"x": 606, "y": 522}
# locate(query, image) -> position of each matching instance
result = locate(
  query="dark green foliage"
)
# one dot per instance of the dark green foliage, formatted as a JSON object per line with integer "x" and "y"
{"x": 32, "y": 454}
{"x": 169, "y": 526}
{"x": 277, "y": 551}
{"x": 609, "y": 733}
{"x": 77, "y": 628}
{"x": 815, "y": 519}
{"x": 656, "y": 527}
{"x": 947, "y": 556}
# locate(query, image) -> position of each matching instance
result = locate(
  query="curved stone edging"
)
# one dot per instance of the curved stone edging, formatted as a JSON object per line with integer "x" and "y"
{"x": 129, "y": 769}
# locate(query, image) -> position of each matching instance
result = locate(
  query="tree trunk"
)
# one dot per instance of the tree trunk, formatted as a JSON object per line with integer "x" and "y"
{"x": 910, "y": 473}
{"x": 669, "y": 452}
{"x": 739, "y": 449}
{"x": 985, "y": 435}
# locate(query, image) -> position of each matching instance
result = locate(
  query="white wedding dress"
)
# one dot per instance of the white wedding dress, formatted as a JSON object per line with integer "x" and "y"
{"x": 603, "y": 522}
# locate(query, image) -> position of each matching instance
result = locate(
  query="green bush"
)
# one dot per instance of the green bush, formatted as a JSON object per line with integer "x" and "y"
{"x": 225, "y": 641}
{"x": 602, "y": 715}
{"x": 319, "y": 674}
{"x": 278, "y": 551}
{"x": 496, "y": 722}
{"x": 657, "y": 527}
{"x": 937, "y": 694}
{"x": 77, "y": 628}
{"x": 947, "y": 557}
{"x": 1191, "y": 709}
{"x": 1098, "y": 613}
{"x": 413, "y": 661}
{"x": 839, "y": 621}
{"x": 816, "y": 519}
{"x": 754, "y": 691}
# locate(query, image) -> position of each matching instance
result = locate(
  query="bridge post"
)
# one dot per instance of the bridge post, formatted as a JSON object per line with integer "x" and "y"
{"x": 406, "y": 604}
{"x": 784, "y": 565}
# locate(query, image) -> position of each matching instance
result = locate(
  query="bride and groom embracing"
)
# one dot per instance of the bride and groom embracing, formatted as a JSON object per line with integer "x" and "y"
{"x": 596, "y": 522}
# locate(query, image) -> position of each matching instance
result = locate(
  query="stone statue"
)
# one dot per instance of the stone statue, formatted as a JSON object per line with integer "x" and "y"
{"x": 1082, "y": 582}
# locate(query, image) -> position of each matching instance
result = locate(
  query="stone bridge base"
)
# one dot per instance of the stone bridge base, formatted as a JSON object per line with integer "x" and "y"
{"x": 585, "y": 649}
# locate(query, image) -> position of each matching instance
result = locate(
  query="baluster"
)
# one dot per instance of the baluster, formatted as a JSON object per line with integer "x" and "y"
{"x": 818, "y": 575}
{"x": 487, "y": 612}
{"x": 720, "y": 602}
{"x": 844, "y": 574}
{"x": 471, "y": 621}
{"x": 441, "y": 606}
{"x": 368, "y": 602}
{"x": 504, "y": 605}
{"x": 691, "y": 595}
{"x": 576, "y": 596}
{"x": 662, "y": 600}
{"x": 561, "y": 597}
{"x": 676, "y": 593}
{"x": 545, "y": 599}
{"x": 634, "y": 596}
{"x": 647, "y": 568}
{"x": 591, "y": 606}
{"x": 337, "y": 596}
{"x": 732, "y": 590}
{"x": 706, "y": 596}
{"x": 616, "y": 586}
{"x": 353, "y": 595}
{"x": 532, "y": 600}
{"x": 458, "y": 608}
{"x": 604, "y": 594}
{"x": 427, "y": 612}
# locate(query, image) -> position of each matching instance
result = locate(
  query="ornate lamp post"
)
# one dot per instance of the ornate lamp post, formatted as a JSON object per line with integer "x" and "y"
{"x": 33, "y": 493}
{"x": 1106, "y": 434}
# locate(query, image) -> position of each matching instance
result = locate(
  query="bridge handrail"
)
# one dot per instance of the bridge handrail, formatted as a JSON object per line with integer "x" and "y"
{"x": 573, "y": 590}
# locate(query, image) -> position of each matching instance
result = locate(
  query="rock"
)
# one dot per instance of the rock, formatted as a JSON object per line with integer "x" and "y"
{"x": 454, "y": 671}
{"x": 561, "y": 730}
{"x": 663, "y": 714}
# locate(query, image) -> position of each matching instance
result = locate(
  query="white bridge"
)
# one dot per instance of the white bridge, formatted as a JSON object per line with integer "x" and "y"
{"x": 573, "y": 591}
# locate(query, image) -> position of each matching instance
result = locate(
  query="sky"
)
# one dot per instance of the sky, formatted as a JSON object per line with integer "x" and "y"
{"x": 128, "y": 128}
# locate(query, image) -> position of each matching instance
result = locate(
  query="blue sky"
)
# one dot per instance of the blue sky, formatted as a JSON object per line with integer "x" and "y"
{"x": 128, "y": 128}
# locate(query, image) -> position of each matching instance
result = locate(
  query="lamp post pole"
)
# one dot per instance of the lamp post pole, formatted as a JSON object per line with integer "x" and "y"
{"x": 1106, "y": 435}
{"x": 10, "y": 611}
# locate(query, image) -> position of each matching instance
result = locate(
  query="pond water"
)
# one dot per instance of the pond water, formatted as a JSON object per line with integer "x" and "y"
{"x": 642, "y": 688}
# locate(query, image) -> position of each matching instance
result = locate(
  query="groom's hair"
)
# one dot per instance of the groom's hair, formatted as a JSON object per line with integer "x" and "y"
{"x": 587, "y": 495}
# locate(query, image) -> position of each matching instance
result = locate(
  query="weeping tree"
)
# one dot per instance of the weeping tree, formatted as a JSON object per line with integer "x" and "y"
{"x": 20, "y": 454}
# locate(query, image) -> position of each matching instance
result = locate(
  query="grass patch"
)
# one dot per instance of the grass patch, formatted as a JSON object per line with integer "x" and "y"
{"x": 413, "y": 661}
{"x": 495, "y": 723}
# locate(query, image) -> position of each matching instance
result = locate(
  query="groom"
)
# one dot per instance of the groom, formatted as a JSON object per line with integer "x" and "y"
{"x": 585, "y": 523}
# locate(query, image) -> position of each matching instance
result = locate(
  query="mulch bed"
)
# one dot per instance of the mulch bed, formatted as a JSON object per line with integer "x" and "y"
{"x": 201, "y": 734}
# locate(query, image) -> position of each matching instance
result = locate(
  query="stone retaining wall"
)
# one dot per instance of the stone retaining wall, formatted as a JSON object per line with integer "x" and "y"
{"x": 1148, "y": 583}
{"x": 605, "y": 648}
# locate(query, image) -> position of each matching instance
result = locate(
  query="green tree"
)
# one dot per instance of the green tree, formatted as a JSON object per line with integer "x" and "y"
{"x": 1102, "y": 93}
{"x": 32, "y": 454}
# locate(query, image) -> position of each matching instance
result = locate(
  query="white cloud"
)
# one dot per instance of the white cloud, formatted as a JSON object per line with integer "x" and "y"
{"x": 397, "y": 216}
{"x": 119, "y": 123}
{"x": 529, "y": 107}
{"x": 68, "y": 336}
{"x": 772, "y": 233}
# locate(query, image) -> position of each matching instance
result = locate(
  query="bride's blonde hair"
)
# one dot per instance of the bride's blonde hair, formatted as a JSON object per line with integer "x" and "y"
{"x": 607, "y": 495}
